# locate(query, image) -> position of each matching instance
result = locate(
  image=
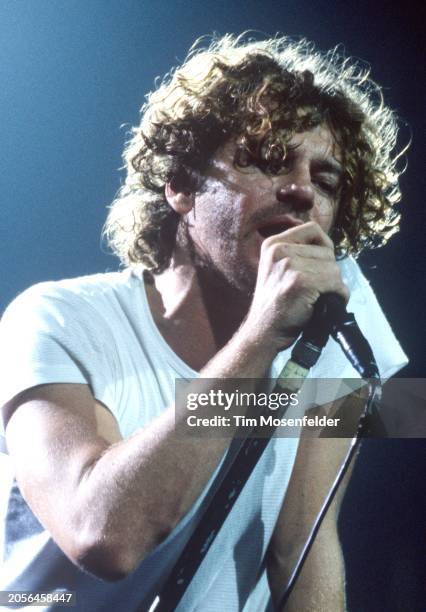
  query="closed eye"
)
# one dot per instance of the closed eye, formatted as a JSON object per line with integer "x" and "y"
{"x": 328, "y": 186}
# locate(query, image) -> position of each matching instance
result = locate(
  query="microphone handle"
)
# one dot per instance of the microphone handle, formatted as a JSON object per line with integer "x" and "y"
{"x": 330, "y": 317}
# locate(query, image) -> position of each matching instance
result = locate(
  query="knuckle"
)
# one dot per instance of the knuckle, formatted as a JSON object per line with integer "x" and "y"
{"x": 312, "y": 224}
{"x": 334, "y": 269}
{"x": 326, "y": 254}
{"x": 329, "y": 245}
{"x": 315, "y": 228}
{"x": 297, "y": 280}
{"x": 278, "y": 251}
{"x": 286, "y": 263}
{"x": 267, "y": 246}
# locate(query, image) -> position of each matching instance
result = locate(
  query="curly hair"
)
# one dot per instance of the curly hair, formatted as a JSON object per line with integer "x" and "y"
{"x": 262, "y": 93}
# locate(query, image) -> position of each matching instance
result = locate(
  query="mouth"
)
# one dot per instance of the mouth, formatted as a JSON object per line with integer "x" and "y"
{"x": 277, "y": 225}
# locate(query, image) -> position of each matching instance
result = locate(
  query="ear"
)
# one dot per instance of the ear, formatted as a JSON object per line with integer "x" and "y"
{"x": 181, "y": 201}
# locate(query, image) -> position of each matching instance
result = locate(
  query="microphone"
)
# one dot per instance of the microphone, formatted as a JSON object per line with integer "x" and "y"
{"x": 330, "y": 317}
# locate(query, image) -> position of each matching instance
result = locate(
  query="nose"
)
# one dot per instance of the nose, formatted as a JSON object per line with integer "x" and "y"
{"x": 299, "y": 196}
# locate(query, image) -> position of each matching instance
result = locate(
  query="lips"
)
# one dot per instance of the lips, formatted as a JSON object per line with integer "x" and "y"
{"x": 277, "y": 225}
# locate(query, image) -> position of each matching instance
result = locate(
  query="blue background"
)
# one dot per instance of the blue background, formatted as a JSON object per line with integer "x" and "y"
{"x": 72, "y": 72}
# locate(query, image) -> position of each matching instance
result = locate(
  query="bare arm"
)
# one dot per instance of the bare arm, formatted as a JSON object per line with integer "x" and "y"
{"x": 321, "y": 584}
{"x": 106, "y": 501}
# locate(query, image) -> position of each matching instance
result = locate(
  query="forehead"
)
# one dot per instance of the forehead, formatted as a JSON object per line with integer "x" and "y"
{"x": 316, "y": 144}
{"x": 319, "y": 141}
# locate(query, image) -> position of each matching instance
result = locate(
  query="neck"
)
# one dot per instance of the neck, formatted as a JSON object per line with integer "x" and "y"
{"x": 196, "y": 310}
{"x": 225, "y": 306}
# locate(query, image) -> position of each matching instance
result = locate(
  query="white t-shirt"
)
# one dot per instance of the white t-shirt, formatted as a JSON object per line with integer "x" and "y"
{"x": 98, "y": 330}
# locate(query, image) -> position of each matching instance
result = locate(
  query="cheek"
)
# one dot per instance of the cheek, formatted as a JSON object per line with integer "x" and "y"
{"x": 217, "y": 218}
{"x": 324, "y": 215}
{"x": 229, "y": 212}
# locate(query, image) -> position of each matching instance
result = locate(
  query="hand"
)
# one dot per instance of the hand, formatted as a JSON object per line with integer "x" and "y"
{"x": 295, "y": 268}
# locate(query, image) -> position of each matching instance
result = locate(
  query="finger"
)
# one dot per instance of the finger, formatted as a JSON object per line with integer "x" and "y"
{"x": 308, "y": 233}
{"x": 328, "y": 279}
{"x": 322, "y": 276}
{"x": 306, "y": 251}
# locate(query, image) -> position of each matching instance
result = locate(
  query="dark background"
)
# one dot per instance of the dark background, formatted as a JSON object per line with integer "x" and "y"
{"x": 73, "y": 72}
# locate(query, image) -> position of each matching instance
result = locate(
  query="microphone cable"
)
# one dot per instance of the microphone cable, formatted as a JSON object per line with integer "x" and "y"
{"x": 363, "y": 430}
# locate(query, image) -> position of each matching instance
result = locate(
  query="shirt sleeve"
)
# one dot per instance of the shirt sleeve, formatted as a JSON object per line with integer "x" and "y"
{"x": 372, "y": 321}
{"x": 50, "y": 334}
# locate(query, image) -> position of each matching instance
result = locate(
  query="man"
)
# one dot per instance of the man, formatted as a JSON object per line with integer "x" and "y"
{"x": 254, "y": 165}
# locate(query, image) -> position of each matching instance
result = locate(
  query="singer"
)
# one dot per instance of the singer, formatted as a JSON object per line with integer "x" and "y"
{"x": 259, "y": 170}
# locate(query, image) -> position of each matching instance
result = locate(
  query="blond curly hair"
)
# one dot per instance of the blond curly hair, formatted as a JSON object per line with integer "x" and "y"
{"x": 254, "y": 90}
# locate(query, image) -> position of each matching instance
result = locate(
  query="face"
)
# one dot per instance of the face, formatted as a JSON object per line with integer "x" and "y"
{"x": 237, "y": 207}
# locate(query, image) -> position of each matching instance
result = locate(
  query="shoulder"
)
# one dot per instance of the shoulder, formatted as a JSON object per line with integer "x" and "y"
{"x": 67, "y": 331}
{"x": 75, "y": 296}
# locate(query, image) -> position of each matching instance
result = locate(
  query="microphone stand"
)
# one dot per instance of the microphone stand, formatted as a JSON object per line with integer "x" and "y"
{"x": 363, "y": 430}
{"x": 329, "y": 317}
